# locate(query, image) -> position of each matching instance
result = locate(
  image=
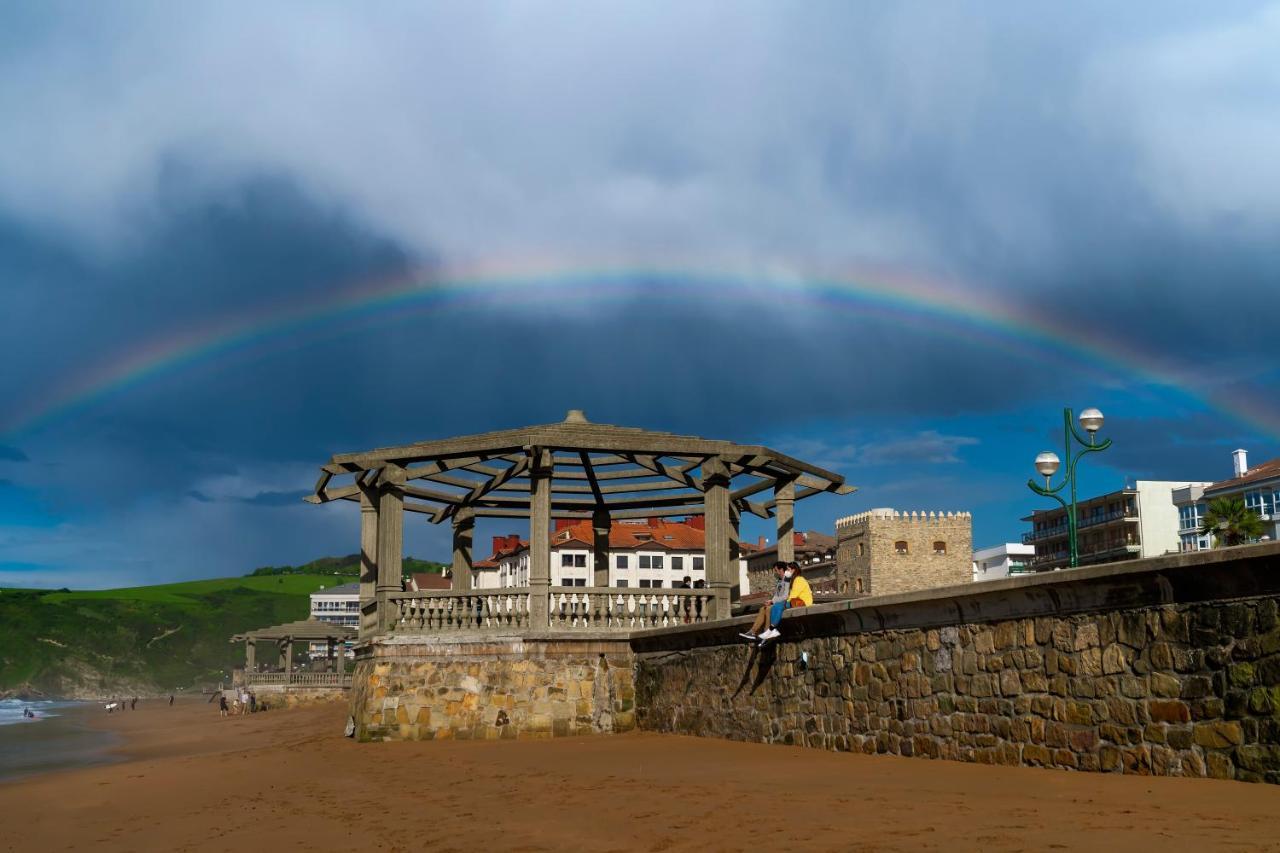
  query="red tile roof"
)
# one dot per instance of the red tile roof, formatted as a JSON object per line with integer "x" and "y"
{"x": 1265, "y": 471}
{"x": 431, "y": 580}
{"x": 671, "y": 535}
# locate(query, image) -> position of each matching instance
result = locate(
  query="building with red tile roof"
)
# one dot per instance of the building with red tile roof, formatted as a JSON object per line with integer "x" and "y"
{"x": 643, "y": 553}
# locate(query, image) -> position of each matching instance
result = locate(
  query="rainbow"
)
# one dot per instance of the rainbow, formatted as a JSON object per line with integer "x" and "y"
{"x": 946, "y": 307}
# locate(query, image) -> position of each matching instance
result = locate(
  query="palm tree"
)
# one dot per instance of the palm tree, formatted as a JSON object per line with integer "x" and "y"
{"x": 1231, "y": 522}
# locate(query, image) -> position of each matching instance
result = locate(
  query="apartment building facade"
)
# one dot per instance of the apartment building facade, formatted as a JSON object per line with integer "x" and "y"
{"x": 1140, "y": 520}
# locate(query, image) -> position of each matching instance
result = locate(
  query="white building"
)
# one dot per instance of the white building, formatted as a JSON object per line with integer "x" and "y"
{"x": 1258, "y": 487}
{"x": 643, "y": 554}
{"x": 1000, "y": 561}
{"x": 339, "y": 605}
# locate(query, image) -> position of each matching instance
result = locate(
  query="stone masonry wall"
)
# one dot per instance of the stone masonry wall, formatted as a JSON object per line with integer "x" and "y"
{"x": 487, "y": 690}
{"x": 866, "y": 551}
{"x": 1169, "y": 668}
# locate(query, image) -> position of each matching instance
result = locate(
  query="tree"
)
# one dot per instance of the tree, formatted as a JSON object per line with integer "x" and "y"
{"x": 1231, "y": 522}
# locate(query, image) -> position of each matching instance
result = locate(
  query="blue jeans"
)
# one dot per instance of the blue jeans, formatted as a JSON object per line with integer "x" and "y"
{"x": 775, "y": 613}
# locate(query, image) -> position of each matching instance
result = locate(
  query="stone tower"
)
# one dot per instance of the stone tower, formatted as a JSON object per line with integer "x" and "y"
{"x": 883, "y": 551}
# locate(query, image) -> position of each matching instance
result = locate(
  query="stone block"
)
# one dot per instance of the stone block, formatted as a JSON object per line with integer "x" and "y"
{"x": 1168, "y": 711}
{"x": 1218, "y": 766}
{"x": 1178, "y": 737}
{"x": 1086, "y": 636}
{"x": 1218, "y": 734}
{"x": 1114, "y": 660}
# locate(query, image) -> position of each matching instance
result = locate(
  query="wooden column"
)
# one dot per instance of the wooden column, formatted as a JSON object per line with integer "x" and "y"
{"x": 600, "y": 524}
{"x": 464, "y": 529}
{"x": 333, "y": 667}
{"x": 390, "y": 539}
{"x": 250, "y": 654}
{"x": 541, "y": 469}
{"x": 368, "y": 554}
{"x": 288, "y": 659}
{"x": 721, "y": 577}
{"x": 784, "y": 495}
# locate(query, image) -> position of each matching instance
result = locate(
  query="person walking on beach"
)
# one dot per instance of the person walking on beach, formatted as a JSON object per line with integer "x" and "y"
{"x": 798, "y": 595}
{"x": 781, "y": 587}
{"x": 170, "y": 700}
{"x": 222, "y": 704}
{"x": 133, "y": 706}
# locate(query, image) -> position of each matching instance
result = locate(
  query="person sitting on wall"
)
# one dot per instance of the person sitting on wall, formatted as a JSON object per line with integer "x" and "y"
{"x": 780, "y": 589}
{"x": 798, "y": 595}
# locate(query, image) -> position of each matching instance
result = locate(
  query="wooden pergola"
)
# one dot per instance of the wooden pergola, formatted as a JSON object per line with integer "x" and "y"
{"x": 573, "y": 469}
{"x": 302, "y": 631}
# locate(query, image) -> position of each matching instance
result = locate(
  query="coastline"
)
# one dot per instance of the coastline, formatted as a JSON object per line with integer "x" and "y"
{"x": 187, "y": 779}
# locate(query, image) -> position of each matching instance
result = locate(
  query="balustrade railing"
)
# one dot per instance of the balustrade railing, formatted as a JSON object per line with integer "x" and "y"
{"x": 568, "y": 609}
{"x": 297, "y": 679}
{"x": 448, "y": 611}
{"x": 585, "y": 608}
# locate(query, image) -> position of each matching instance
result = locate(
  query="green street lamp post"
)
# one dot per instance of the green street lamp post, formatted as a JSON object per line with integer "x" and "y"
{"x": 1047, "y": 463}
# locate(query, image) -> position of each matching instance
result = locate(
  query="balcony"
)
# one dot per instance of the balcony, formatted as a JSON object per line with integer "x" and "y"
{"x": 1087, "y": 521}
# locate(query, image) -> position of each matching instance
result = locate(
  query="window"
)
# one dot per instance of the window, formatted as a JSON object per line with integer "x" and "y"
{"x": 645, "y": 583}
{"x": 622, "y": 562}
{"x": 1190, "y": 517}
{"x": 940, "y": 548}
{"x": 857, "y": 585}
{"x": 621, "y": 582}
{"x": 677, "y": 564}
{"x": 697, "y": 564}
{"x": 566, "y": 560}
{"x": 573, "y": 582}
{"x": 900, "y": 547}
{"x": 651, "y": 561}
{"x": 861, "y": 547}
{"x": 1260, "y": 501}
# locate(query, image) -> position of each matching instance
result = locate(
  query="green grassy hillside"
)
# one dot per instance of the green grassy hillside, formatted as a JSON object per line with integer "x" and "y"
{"x": 143, "y": 639}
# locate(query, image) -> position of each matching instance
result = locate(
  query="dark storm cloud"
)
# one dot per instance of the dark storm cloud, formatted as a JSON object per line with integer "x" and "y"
{"x": 276, "y": 498}
{"x": 1116, "y": 178}
{"x": 12, "y": 454}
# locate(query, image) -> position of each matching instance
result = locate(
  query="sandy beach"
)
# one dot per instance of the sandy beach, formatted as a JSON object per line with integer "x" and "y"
{"x": 288, "y": 780}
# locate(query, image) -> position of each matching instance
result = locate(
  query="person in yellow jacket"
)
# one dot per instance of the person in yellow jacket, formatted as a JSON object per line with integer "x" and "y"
{"x": 799, "y": 595}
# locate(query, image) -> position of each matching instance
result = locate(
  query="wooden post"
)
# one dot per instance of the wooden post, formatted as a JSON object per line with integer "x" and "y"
{"x": 368, "y": 555}
{"x": 720, "y": 576}
{"x": 288, "y": 659}
{"x": 250, "y": 654}
{"x": 390, "y": 540}
{"x": 784, "y": 494}
{"x": 600, "y": 524}
{"x": 541, "y": 470}
{"x": 464, "y": 528}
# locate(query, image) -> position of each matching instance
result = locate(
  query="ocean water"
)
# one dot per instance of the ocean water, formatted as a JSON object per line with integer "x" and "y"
{"x": 58, "y": 737}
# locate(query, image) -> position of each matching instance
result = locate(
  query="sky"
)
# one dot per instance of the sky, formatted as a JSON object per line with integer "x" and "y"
{"x": 895, "y": 240}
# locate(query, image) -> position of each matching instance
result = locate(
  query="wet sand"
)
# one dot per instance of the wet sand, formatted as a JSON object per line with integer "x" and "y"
{"x": 287, "y": 780}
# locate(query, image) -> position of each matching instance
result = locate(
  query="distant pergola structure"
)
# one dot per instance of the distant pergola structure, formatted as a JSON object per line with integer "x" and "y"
{"x": 573, "y": 469}
{"x": 284, "y": 636}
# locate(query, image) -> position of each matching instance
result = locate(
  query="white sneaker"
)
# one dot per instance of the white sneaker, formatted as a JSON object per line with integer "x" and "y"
{"x": 771, "y": 634}
{"x": 747, "y": 635}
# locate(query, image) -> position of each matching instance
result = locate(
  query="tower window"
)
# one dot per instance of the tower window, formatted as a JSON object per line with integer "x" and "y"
{"x": 857, "y": 585}
{"x": 940, "y": 548}
{"x": 900, "y": 547}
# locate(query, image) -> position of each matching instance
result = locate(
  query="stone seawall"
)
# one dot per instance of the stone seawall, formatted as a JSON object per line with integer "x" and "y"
{"x": 1169, "y": 666}
{"x": 488, "y": 688}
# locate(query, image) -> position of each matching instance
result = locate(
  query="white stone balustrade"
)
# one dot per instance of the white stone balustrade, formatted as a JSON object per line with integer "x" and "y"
{"x": 568, "y": 609}
{"x": 446, "y": 611}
